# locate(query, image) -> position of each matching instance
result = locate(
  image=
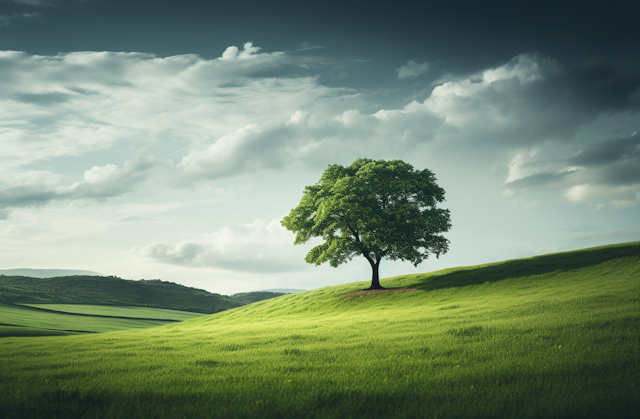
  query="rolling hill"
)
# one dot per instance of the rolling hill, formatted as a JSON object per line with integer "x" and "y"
{"x": 553, "y": 336}
{"x": 101, "y": 290}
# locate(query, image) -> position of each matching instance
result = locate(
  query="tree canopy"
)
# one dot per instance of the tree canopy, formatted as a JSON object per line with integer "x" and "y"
{"x": 374, "y": 208}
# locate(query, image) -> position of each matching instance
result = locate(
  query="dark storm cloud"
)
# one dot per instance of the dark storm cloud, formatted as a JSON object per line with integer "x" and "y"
{"x": 597, "y": 88}
{"x": 532, "y": 99}
{"x": 623, "y": 173}
{"x": 467, "y": 35}
{"x": 615, "y": 163}
{"x": 605, "y": 172}
{"x": 568, "y": 97}
{"x": 608, "y": 152}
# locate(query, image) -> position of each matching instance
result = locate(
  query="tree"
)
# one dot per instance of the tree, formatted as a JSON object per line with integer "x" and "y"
{"x": 374, "y": 208}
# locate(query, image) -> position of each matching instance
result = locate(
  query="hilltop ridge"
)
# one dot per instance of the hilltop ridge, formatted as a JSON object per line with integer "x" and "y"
{"x": 46, "y": 273}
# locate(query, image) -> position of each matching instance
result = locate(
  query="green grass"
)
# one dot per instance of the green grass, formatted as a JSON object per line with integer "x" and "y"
{"x": 65, "y": 319}
{"x": 555, "y": 336}
{"x": 22, "y": 321}
{"x": 118, "y": 311}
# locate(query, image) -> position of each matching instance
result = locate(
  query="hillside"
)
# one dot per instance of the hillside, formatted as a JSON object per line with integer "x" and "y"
{"x": 553, "y": 336}
{"x": 111, "y": 291}
{"x": 255, "y": 296}
{"x": 45, "y": 273}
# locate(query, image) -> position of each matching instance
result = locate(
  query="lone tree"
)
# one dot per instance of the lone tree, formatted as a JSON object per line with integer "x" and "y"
{"x": 374, "y": 208}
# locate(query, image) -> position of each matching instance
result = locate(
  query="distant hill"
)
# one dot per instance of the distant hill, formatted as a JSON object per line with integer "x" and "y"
{"x": 111, "y": 291}
{"x": 45, "y": 273}
{"x": 285, "y": 290}
{"x": 255, "y": 296}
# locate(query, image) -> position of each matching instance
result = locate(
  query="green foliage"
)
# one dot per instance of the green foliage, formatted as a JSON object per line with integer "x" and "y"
{"x": 98, "y": 290}
{"x": 374, "y": 208}
{"x": 556, "y": 336}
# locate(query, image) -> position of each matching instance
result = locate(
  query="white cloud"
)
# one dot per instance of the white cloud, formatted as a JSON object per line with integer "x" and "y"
{"x": 254, "y": 247}
{"x": 36, "y": 188}
{"x": 500, "y": 102}
{"x": 596, "y": 195}
{"x": 248, "y": 149}
{"x": 110, "y": 180}
{"x": 219, "y": 118}
{"x": 71, "y": 104}
{"x": 412, "y": 69}
{"x": 232, "y": 52}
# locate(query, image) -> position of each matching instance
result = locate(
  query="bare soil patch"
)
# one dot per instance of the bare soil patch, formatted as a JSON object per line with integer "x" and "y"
{"x": 360, "y": 293}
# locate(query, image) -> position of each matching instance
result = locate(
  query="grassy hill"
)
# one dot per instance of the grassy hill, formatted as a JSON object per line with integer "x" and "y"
{"x": 111, "y": 291}
{"x": 255, "y": 296}
{"x": 554, "y": 336}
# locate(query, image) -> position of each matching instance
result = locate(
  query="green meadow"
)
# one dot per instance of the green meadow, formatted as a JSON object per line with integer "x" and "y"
{"x": 66, "y": 319}
{"x": 553, "y": 336}
{"x": 117, "y": 311}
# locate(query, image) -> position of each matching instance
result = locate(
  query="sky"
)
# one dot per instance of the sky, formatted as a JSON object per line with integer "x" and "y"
{"x": 166, "y": 140}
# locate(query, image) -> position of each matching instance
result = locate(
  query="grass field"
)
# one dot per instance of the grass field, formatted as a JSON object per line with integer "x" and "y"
{"x": 63, "y": 319}
{"x": 118, "y": 311}
{"x": 555, "y": 336}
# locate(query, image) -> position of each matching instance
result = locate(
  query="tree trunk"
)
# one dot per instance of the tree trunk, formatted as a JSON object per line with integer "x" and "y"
{"x": 375, "y": 276}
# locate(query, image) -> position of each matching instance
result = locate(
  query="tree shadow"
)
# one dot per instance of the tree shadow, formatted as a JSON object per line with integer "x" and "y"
{"x": 520, "y": 268}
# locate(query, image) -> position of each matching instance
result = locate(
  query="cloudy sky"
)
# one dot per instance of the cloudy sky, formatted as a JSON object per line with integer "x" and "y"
{"x": 162, "y": 139}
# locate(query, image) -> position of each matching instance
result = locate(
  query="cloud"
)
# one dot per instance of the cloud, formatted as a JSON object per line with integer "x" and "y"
{"x": 224, "y": 117}
{"x": 254, "y": 247}
{"x": 605, "y": 172}
{"x": 32, "y": 188}
{"x": 251, "y": 148}
{"x": 608, "y": 152}
{"x": 74, "y": 103}
{"x": 8, "y": 19}
{"x": 597, "y": 195}
{"x": 412, "y": 69}
{"x": 511, "y": 109}
{"x": 304, "y": 138}
{"x": 553, "y": 121}
{"x": 108, "y": 181}
{"x": 37, "y": 188}
{"x": 538, "y": 179}
{"x": 232, "y": 52}
{"x": 530, "y": 100}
